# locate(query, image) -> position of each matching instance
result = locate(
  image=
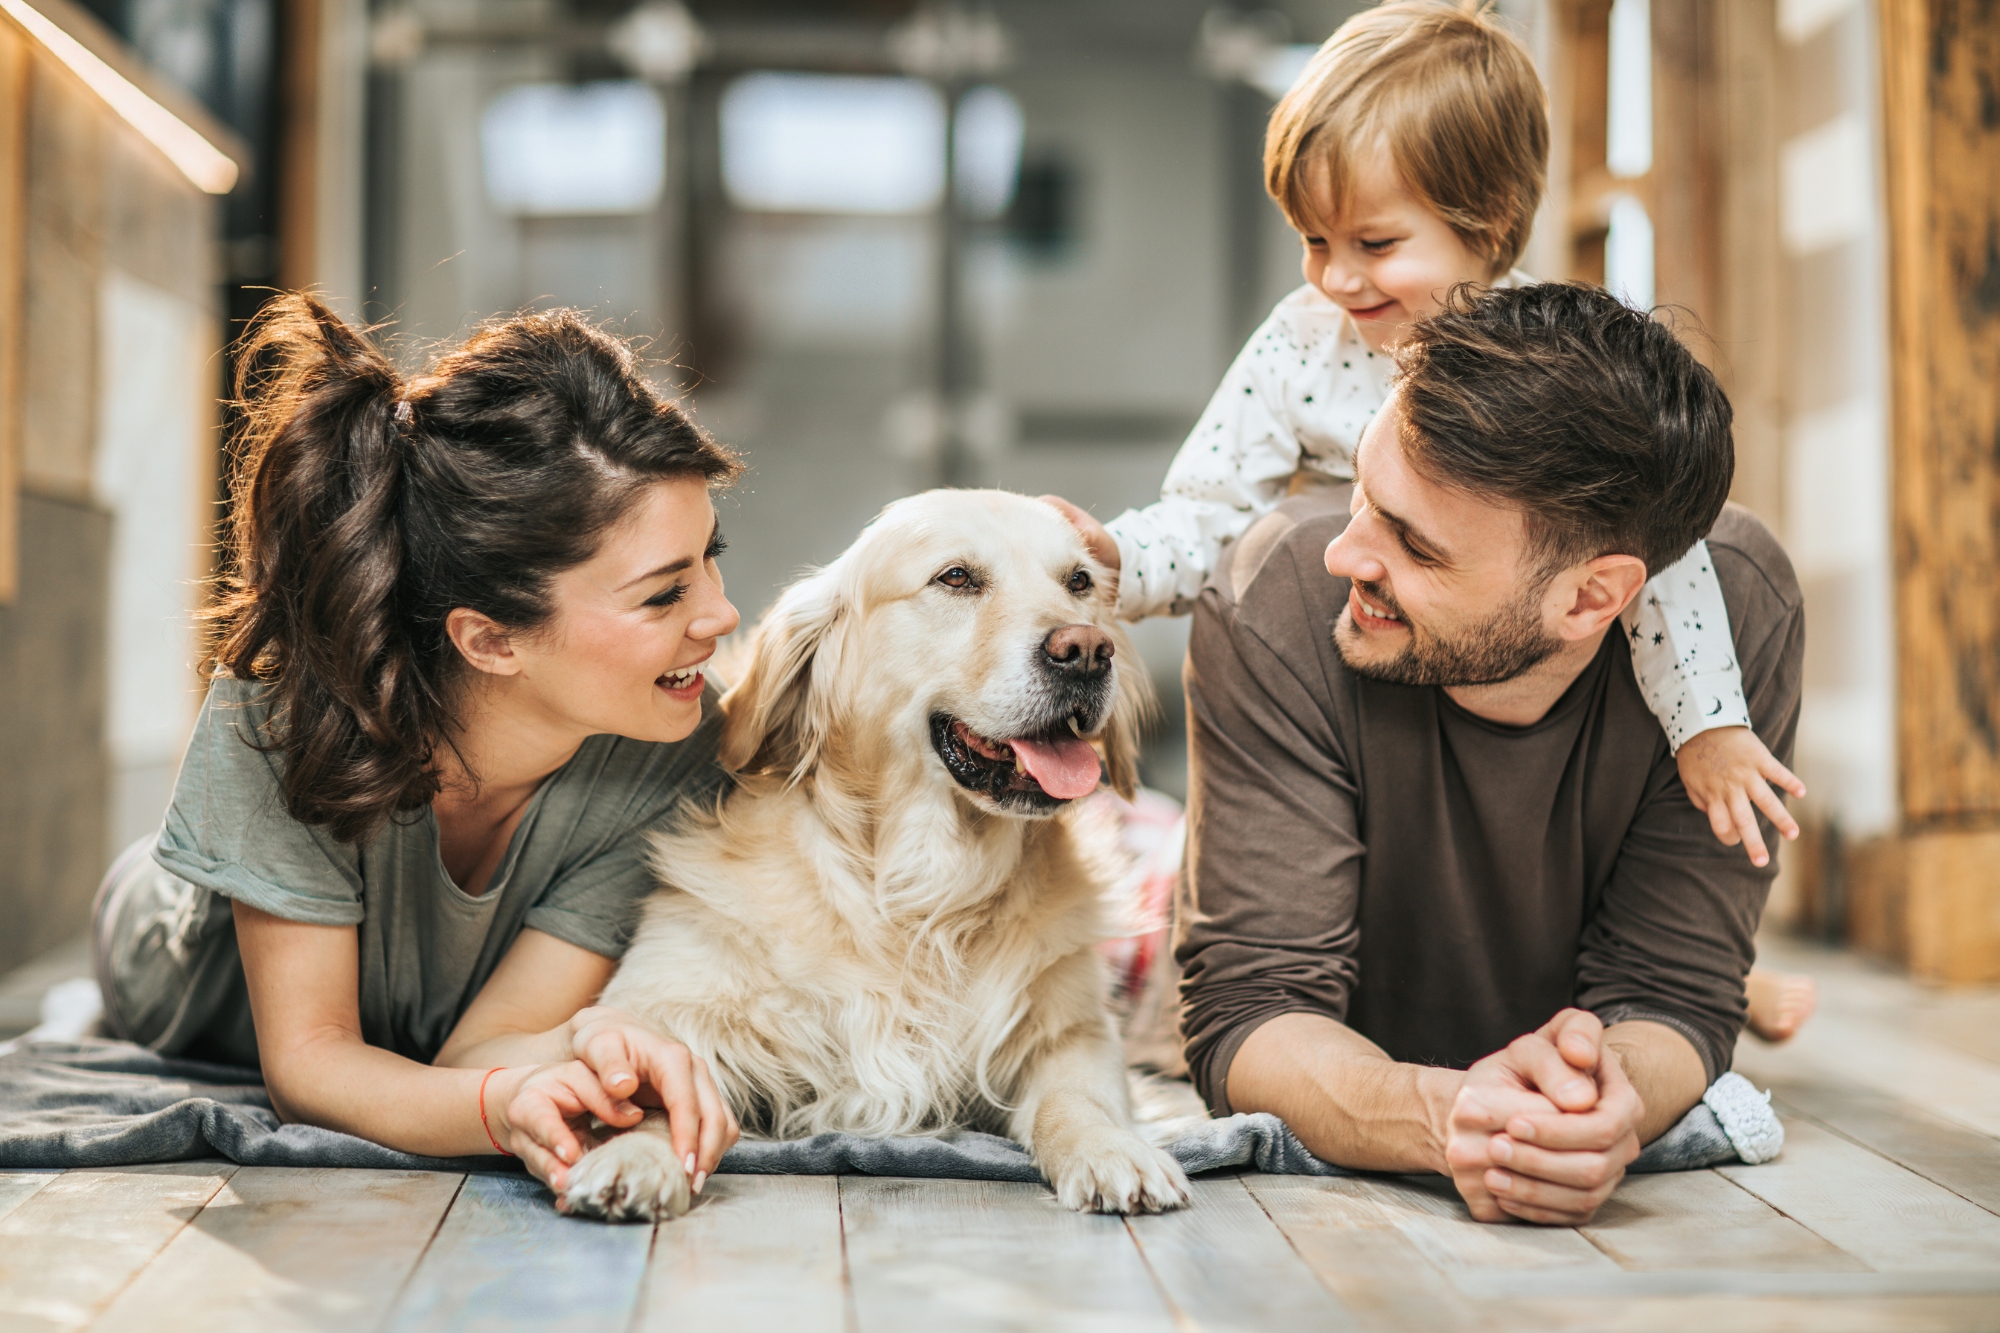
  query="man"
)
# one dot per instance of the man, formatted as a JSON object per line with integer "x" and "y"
{"x": 1449, "y": 907}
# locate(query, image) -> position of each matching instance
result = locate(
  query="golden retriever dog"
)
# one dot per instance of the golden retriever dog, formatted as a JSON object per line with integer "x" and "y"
{"x": 889, "y": 926}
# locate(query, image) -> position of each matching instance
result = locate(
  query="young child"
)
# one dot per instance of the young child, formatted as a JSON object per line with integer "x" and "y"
{"x": 1410, "y": 157}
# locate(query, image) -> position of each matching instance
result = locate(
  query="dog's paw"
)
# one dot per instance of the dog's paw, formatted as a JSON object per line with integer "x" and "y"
{"x": 1111, "y": 1170}
{"x": 633, "y": 1178}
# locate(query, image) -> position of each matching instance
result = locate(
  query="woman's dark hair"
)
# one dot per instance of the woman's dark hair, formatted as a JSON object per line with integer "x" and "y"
{"x": 1590, "y": 415}
{"x": 369, "y": 507}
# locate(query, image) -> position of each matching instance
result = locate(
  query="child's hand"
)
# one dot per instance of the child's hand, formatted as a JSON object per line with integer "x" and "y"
{"x": 1725, "y": 771}
{"x": 1103, "y": 546}
{"x": 633, "y": 1061}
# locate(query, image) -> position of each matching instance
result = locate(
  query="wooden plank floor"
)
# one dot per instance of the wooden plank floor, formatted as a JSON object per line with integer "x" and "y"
{"x": 1884, "y": 1212}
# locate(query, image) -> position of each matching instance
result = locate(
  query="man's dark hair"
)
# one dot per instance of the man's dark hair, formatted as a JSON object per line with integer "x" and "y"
{"x": 1590, "y": 415}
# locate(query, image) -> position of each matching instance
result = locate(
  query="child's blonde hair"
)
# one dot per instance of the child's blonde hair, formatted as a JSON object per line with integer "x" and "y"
{"x": 1456, "y": 99}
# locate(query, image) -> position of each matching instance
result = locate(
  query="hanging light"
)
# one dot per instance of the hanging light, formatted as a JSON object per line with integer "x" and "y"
{"x": 211, "y": 169}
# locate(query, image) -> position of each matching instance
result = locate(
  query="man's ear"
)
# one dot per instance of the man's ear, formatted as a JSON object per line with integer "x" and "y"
{"x": 482, "y": 641}
{"x": 777, "y": 716}
{"x": 1597, "y": 591}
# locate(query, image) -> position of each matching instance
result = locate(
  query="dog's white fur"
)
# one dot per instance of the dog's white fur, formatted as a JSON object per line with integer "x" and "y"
{"x": 856, "y": 942}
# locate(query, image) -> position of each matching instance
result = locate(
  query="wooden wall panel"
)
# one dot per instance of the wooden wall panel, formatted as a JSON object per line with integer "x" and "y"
{"x": 91, "y": 199}
{"x": 54, "y": 790}
{"x": 1943, "y": 160}
{"x": 1952, "y": 906}
{"x": 1584, "y": 36}
{"x": 1750, "y": 260}
{"x": 68, "y": 129}
{"x": 13, "y": 258}
{"x": 298, "y": 165}
{"x": 1712, "y": 196}
{"x": 1684, "y": 195}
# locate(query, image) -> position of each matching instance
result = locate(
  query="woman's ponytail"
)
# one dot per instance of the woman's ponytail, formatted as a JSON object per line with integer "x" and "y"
{"x": 366, "y": 509}
{"x": 317, "y": 553}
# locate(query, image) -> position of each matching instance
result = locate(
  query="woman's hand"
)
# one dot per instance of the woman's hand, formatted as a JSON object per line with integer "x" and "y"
{"x": 632, "y": 1060}
{"x": 541, "y": 1114}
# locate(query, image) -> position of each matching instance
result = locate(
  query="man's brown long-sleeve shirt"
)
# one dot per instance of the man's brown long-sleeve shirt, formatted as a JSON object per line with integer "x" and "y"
{"x": 1438, "y": 882}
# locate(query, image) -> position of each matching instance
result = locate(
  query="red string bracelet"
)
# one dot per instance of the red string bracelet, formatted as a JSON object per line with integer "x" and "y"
{"x": 482, "y": 1112}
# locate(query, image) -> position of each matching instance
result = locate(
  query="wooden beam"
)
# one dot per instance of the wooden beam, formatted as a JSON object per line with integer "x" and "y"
{"x": 321, "y": 168}
{"x": 1712, "y": 196}
{"x": 1953, "y": 898}
{"x": 1683, "y": 201}
{"x": 1941, "y": 900}
{"x": 1585, "y": 35}
{"x": 1714, "y": 203}
{"x": 14, "y": 68}
{"x": 1749, "y": 322}
{"x": 1943, "y": 159}
{"x": 300, "y": 27}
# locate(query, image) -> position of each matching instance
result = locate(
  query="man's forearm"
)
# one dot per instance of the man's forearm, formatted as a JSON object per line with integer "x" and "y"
{"x": 1665, "y": 1070}
{"x": 1354, "y": 1106}
{"x": 1343, "y": 1096}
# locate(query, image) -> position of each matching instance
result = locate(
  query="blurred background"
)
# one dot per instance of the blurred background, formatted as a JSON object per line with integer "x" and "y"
{"x": 879, "y": 246}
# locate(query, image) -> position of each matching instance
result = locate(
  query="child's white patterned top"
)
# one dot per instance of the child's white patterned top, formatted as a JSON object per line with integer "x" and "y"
{"x": 1298, "y": 397}
{"x": 1682, "y": 651}
{"x": 1296, "y": 400}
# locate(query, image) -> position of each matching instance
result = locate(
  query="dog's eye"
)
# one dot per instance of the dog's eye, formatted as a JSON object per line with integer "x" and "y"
{"x": 1080, "y": 582}
{"x": 958, "y": 576}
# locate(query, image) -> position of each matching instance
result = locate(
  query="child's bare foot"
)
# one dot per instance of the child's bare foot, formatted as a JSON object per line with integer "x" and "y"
{"x": 1780, "y": 1003}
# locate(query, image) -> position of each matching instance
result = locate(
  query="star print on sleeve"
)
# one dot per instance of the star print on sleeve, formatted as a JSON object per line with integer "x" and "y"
{"x": 1683, "y": 657}
{"x": 1268, "y": 420}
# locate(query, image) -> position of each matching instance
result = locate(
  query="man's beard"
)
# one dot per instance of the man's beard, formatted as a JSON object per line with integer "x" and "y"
{"x": 1507, "y": 644}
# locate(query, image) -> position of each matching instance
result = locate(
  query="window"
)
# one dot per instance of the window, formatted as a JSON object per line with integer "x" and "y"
{"x": 1628, "y": 131}
{"x": 554, "y": 150}
{"x": 1628, "y": 253}
{"x": 809, "y": 143}
{"x": 988, "y": 151}
{"x": 800, "y": 143}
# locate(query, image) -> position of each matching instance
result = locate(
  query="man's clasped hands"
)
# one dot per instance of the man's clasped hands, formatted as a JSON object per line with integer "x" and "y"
{"x": 1543, "y": 1129}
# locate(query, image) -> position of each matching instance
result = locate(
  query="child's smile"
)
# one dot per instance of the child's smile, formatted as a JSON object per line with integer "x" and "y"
{"x": 1377, "y": 313}
{"x": 1389, "y": 259}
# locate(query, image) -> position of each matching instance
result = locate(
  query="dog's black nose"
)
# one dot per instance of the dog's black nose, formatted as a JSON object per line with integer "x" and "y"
{"x": 1079, "y": 650}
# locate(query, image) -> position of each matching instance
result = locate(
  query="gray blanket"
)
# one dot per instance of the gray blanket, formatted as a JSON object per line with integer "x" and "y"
{"x": 109, "y": 1103}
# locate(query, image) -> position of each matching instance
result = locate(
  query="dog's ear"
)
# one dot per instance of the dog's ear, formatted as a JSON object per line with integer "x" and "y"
{"x": 1134, "y": 710}
{"x": 774, "y": 719}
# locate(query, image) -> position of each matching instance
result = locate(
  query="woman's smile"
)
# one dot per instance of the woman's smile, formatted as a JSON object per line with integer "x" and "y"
{"x": 684, "y": 684}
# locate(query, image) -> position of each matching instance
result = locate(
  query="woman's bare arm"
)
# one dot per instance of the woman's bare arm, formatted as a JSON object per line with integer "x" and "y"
{"x": 521, "y": 1015}
{"x": 304, "y": 983}
{"x": 533, "y": 1008}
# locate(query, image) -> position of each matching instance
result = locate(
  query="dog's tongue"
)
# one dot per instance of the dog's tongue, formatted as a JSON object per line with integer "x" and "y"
{"x": 1066, "y": 768}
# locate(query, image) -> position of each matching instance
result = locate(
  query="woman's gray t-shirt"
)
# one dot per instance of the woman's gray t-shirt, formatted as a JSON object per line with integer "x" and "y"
{"x": 575, "y": 868}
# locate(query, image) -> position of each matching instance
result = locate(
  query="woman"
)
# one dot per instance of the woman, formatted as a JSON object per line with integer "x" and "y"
{"x": 458, "y": 676}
